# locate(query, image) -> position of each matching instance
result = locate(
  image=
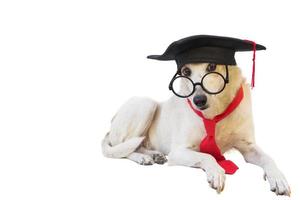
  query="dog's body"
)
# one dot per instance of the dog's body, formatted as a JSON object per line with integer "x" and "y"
{"x": 145, "y": 131}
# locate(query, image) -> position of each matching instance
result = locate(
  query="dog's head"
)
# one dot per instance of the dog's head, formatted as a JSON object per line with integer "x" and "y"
{"x": 211, "y": 104}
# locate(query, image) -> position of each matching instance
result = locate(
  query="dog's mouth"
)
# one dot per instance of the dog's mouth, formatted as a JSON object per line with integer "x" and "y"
{"x": 203, "y": 107}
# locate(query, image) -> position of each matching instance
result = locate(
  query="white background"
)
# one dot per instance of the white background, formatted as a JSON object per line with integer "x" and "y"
{"x": 67, "y": 66}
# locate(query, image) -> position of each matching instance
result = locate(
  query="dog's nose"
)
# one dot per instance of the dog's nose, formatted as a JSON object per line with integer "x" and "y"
{"x": 200, "y": 100}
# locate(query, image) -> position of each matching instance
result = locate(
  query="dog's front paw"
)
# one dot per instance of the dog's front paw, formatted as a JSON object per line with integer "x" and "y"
{"x": 216, "y": 178}
{"x": 278, "y": 182}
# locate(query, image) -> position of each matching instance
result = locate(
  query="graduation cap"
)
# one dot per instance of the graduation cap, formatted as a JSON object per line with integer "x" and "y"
{"x": 208, "y": 48}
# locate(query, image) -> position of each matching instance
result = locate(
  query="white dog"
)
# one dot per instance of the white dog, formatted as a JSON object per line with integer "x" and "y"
{"x": 146, "y": 131}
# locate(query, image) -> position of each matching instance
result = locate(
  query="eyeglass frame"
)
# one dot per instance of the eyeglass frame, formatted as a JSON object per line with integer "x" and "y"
{"x": 178, "y": 72}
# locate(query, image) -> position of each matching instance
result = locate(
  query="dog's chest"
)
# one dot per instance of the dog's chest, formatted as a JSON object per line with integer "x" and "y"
{"x": 231, "y": 129}
{"x": 224, "y": 135}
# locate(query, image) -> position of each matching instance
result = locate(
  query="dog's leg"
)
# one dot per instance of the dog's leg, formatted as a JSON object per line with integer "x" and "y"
{"x": 128, "y": 129}
{"x": 187, "y": 157}
{"x": 157, "y": 156}
{"x": 253, "y": 154}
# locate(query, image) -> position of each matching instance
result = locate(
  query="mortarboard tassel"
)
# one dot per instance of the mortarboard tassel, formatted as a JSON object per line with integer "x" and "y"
{"x": 253, "y": 63}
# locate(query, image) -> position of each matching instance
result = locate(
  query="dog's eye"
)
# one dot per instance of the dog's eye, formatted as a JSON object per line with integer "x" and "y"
{"x": 211, "y": 67}
{"x": 186, "y": 71}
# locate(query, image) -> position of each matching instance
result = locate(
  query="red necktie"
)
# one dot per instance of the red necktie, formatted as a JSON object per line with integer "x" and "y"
{"x": 208, "y": 144}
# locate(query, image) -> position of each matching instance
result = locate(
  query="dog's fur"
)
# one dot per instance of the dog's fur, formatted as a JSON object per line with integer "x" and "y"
{"x": 146, "y": 131}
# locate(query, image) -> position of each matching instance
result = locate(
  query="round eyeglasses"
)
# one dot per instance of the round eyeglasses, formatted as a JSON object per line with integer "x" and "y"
{"x": 211, "y": 83}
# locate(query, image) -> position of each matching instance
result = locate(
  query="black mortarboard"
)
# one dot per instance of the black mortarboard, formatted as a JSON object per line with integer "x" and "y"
{"x": 207, "y": 48}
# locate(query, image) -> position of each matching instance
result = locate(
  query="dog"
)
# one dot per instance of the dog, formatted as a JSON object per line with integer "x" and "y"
{"x": 146, "y": 131}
